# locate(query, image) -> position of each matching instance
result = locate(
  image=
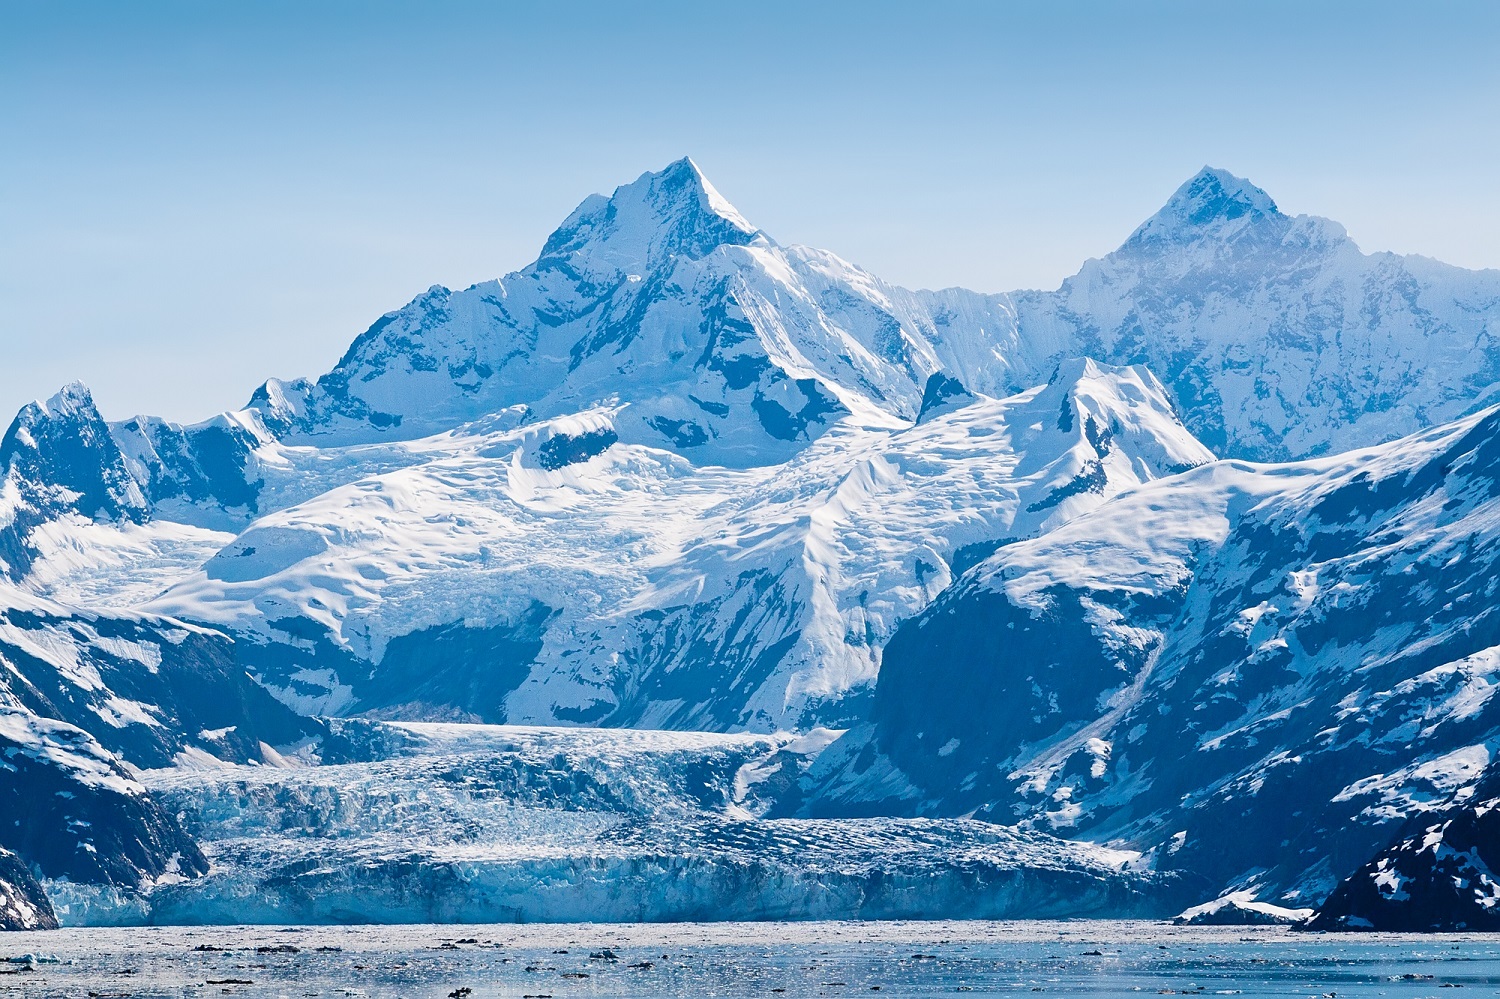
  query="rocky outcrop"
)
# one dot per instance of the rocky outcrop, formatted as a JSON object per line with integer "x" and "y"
{"x": 23, "y": 904}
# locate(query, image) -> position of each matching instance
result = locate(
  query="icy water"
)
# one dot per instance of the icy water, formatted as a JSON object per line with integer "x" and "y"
{"x": 1084, "y": 958}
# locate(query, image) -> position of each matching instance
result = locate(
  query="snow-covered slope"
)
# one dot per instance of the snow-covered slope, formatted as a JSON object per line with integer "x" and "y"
{"x": 597, "y": 581}
{"x": 1258, "y": 672}
{"x": 661, "y": 300}
{"x": 1275, "y": 336}
{"x": 148, "y": 689}
{"x": 1278, "y": 336}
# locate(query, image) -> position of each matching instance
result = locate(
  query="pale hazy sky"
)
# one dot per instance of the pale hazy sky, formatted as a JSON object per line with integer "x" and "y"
{"x": 196, "y": 196}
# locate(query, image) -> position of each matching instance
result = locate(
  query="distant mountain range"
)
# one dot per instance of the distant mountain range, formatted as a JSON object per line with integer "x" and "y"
{"x": 675, "y": 475}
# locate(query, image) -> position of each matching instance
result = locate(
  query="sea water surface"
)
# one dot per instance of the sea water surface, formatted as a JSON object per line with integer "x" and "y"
{"x": 1076, "y": 958}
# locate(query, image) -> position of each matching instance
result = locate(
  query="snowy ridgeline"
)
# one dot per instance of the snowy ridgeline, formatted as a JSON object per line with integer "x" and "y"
{"x": 464, "y": 823}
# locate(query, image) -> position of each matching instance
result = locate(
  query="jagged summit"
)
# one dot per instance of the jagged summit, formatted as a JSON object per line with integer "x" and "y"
{"x": 672, "y": 212}
{"x": 58, "y": 458}
{"x": 1214, "y": 193}
{"x": 69, "y": 415}
{"x": 1208, "y": 201}
{"x": 1070, "y": 370}
{"x": 73, "y": 397}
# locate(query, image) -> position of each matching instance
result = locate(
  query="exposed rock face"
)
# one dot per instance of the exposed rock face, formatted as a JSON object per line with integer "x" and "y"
{"x": 86, "y": 818}
{"x": 78, "y": 697}
{"x": 146, "y": 689}
{"x": 23, "y": 904}
{"x": 1440, "y": 873}
{"x": 59, "y": 458}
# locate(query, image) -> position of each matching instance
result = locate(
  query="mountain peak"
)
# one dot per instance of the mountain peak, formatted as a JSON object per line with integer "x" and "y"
{"x": 671, "y": 212}
{"x": 1208, "y": 202}
{"x": 59, "y": 457}
{"x": 1212, "y": 193}
{"x": 73, "y": 397}
{"x": 68, "y": 417}
{"x": 71, "y": 408}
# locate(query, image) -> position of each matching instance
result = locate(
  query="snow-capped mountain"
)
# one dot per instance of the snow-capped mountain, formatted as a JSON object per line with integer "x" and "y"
{"x": 1258, "y": 672}
{"x": 1279, "y": 338}
{"x": 676, "y": 474}
{"x": 659, "y": 324}
{"x": 662, "y": 300}
{"x": 1275, "y": 336}
{"x": 59, "y": 460}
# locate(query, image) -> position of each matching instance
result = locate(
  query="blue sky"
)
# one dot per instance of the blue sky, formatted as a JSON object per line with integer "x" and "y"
{"x": 196, "y": 196}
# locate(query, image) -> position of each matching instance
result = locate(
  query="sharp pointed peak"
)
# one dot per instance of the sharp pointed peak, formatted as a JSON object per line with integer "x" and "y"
{"x": 73, "y": 397}
{"x": 1218, "y": 191}
{"x": 684, "y": 166}
{"x": 668, "y": 212}
{"x": 683, "y": 184}
{"x": 68, "y": 410}
{"x": 1206, "y": 202}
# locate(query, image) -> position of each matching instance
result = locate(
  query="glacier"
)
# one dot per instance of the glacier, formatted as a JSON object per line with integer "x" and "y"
{"x": 425, "y": 822}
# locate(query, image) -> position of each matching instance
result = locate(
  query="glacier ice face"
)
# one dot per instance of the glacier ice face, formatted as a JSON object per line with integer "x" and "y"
{"x": 463, "y": 823}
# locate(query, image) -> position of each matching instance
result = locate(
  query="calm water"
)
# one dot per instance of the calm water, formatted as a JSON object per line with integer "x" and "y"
{"x": 1086, "y": 958}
